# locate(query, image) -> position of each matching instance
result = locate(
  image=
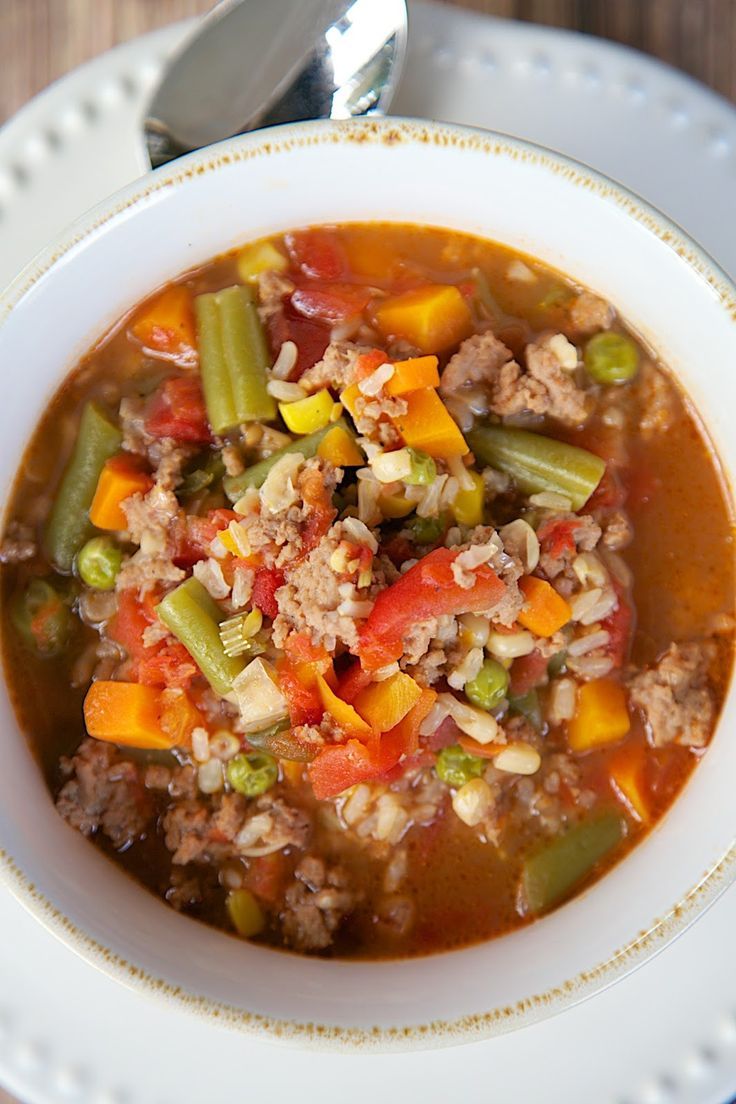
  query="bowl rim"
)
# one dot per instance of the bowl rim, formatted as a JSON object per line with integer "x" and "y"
{"x": 662, "y": 930}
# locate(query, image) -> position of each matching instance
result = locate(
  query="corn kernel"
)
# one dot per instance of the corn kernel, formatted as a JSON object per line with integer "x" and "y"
{"x": 467, "y": 506}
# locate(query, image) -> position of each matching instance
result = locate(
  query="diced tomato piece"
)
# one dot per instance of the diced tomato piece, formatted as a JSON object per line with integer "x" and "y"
{"x": 610, "y": 494}
{"x": 318, "y": 253}
{"x": 266, "y": 876}
{"x": 321, "y": 510}
{"x": 388, "y": 748}
{"x": 619, "y": 626}
{"x": 168, "y": 664}
{"x": 194, "y": 536}
{"x": 445, "y": 735}
{"x": 341, "y": 766}
{"x": 310, "y": 337}
{"x": 426, "y": 590}
{"x": 267, "y": 582}
{"x": 129, "y": 623}
{"x": 355, "y": 679}
{"x": 177, "y": 410}
{"x": 557, "y": 538}
{"x": 527, "y": 672}
{"x": 331, "y": 302}
{"x": 305, "y": 705}
{"x": 367, "y": 363}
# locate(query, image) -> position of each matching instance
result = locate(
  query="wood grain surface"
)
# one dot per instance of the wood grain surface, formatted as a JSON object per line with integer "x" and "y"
{"x": 40, "y": 40}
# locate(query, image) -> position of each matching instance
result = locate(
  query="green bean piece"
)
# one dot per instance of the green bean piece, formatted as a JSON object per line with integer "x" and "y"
{"x": 425, "y": 531}
{"x": 549, "y": 874}
{"x": 200, "y": 478}
{"x": 236, "y": 485}
{"x": 98, "y": 563}
{"x": 193, "y": 617}
{"x": 527, "y": 705}
{"x": 557, "y": 664}
{"x": 489, "y": 686}
{"x": 42, "y": 618}
{"x": 245, "y": 913}
{"x": 69, "y": 526}
{"x": 456, "y": 766}
{"x": 423, "y": 469}
{"x": 611, "y": 358}
{"x": 537, "y": 463}
{"x": 279, "y": 741}
{"x": 233, "y": 358}
{"x": 252, "y": 773}
{"x": 246, "y": 351}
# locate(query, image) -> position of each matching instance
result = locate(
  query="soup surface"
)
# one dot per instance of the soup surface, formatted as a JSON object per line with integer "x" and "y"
{"x": 346, "y": 595}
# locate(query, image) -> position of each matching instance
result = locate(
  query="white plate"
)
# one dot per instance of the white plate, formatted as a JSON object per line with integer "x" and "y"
{"x": 666, "y": 1035}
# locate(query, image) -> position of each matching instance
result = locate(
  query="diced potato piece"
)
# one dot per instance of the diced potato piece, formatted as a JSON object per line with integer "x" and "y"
{"x": 601, "y": 715}
{"x": 339, "y": 447}
{"x": 308, "y": 415}
{"x": 384, "y": 704}
{"x": 260, "y": 257}
{"x": 434, "y": 318}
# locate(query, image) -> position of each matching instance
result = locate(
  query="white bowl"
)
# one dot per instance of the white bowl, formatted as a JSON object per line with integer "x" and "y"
{"x": 405, "y": 171}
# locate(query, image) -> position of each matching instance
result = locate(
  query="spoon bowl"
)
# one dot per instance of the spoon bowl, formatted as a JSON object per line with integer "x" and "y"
{"x": 250, "y": 64}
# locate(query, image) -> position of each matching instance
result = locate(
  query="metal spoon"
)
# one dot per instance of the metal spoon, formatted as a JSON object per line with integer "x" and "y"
{"x": 255, "y": 63}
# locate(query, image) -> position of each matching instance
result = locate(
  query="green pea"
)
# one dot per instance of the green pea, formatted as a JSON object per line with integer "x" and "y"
{"x": 455, "y": 766}
{"x": 42, "y": 618}
{"x": 611, "y": 358}
{"x": 527, "y": 705}
{"x": 252, "y": 773}
{"x": 489, "y": 686}
{"x": 426, "y": 530}
{"x": 98, "y": 563}
{"x": 423, "y": 469}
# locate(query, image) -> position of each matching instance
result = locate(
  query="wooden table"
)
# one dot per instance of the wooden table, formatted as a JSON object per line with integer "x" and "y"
{"x": 40, "y": 40}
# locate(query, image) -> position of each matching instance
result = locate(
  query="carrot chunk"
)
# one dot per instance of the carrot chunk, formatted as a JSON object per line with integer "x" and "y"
{"x": 545, "y": 611}
{"x": 120, "y": 478}
{"x": 428, "y": 426}
{"x": 126, "y": 713}
{"x": 166, "y": 325}
{"x": 413, "y": 374}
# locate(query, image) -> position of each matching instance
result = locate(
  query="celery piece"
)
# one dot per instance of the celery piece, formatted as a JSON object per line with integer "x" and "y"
{"x": 233, "y": 358}
{"x": 194, "y": 617}
{"x": 537, "y": 463}
{"x": 236, "y": 485}
{"x": 278, "y": 740}
{"x": 552, "y": 872}
{"x": 68, "y": 526}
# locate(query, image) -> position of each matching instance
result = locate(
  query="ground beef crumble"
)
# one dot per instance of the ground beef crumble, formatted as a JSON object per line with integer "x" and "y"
{"x": 316, "y": 903}
{"x": 104, "y": 792}
{"x": 675, "y": 697}
{"x": 546, "y": 386}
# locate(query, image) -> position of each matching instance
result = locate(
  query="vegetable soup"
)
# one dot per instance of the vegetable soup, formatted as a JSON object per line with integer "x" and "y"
{"x": 345, "y": 600}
